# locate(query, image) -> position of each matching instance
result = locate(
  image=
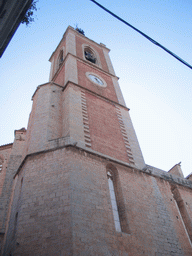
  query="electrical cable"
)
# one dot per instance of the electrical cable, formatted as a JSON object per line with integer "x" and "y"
{"x": 143, "y": 34}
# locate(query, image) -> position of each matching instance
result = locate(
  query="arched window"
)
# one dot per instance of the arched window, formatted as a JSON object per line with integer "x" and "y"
{"x": 117, "y": 200}
{"x": 114, "y": 201}
{"x": 89, "y": 55}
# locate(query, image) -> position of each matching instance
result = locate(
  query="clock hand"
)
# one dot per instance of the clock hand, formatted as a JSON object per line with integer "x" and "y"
{"x": 98, "y": 81}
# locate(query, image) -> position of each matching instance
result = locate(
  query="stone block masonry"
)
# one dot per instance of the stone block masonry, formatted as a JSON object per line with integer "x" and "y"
{"x": 63, "y": 207}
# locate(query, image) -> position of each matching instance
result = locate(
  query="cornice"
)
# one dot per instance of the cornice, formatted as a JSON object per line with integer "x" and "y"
{"x": 9, "y": 145}
{"x": 88, "y": 63}
{"x": 172, "y": 179}
{"x": 94, "y": 93}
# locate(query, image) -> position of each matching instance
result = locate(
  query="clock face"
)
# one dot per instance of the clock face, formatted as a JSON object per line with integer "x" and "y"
{"x": 96, "y": 79}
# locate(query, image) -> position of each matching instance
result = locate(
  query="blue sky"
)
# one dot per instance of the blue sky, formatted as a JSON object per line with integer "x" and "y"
{"x": 157, "y": 88}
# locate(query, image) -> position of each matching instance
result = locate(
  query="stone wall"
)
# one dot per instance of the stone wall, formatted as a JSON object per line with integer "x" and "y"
{"x": 63, "y": 207}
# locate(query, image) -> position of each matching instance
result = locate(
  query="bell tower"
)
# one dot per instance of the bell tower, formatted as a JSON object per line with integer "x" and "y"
{"x": 66, "y": 192}
{"x": 98, "y": 118}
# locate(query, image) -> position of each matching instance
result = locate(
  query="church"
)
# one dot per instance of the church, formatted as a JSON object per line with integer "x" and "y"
{"x": 75, "y": 182}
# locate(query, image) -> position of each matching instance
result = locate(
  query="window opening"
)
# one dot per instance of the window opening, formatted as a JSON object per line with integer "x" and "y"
{"x": 114, "y": 202}
{"x": 15, "y": 225}
{"x": 20, "y": 188}
{"x": 60, "y": 58}
{"x": 1, "y": 165}
{"x": 89, "y": 55}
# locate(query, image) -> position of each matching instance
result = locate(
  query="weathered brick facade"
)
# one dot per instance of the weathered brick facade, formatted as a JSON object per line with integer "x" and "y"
{"x": 56, "y": 198}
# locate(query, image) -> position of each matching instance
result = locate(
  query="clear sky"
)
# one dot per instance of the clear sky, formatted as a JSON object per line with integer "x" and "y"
{"x": 157, "y": 88}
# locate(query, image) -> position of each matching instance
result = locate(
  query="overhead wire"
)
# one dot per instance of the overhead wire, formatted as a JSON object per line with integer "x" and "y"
{"x": 143, "y": 34}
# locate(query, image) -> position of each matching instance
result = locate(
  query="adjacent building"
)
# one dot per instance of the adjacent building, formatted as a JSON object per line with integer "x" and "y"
{"x": 11, "y": 15}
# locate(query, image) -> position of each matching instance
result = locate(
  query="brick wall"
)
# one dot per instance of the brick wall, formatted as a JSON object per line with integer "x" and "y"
{"x": 60, "y": 77}
{"x": 108, "y": 92}
{"x": 104, "y": 128}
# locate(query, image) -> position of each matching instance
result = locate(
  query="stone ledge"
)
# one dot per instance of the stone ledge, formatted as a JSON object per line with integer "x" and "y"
{"x": 167, "y": 176}
{"x": 66, "y": 142}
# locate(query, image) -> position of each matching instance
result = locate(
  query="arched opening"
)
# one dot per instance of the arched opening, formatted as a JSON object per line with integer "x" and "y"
{"x": 113, "y": 196}
{"x": 90, "y": 55}
{"x": 117, "y": 201}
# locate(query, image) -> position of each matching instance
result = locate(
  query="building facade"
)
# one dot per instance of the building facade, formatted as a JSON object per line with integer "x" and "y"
{"x": 11, "y": 15}
{"x": 75, "y": 183}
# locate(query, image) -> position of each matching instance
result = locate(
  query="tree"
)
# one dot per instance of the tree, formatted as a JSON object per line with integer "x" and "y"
{"x": 28, "y": 18}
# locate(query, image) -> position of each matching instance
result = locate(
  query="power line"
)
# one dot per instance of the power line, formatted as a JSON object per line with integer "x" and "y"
{"x": 143, "y": 34}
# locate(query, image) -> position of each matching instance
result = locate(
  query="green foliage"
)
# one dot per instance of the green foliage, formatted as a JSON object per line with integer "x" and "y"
{"x": 28, "y": 18}
{"x": 80, "y": 30}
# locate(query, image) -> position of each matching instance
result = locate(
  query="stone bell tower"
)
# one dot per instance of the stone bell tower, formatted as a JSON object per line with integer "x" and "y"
{"x": 82, "y": 170}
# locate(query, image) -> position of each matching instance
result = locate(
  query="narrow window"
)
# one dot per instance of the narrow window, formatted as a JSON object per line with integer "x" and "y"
{"x": 60, "y": 60}
{"x": 1, "y": 165}
{"x": 114, "y": 202}
{"x": 15, "y": 225}
{"x": 20, "y": 188}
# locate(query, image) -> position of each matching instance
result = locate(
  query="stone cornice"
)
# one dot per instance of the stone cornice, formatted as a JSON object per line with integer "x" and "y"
{"x": 88, "y": 63}
{"x": 67, "y": 143}
{"x": 94, "y": 93}
{"x": 9, "y": 145}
